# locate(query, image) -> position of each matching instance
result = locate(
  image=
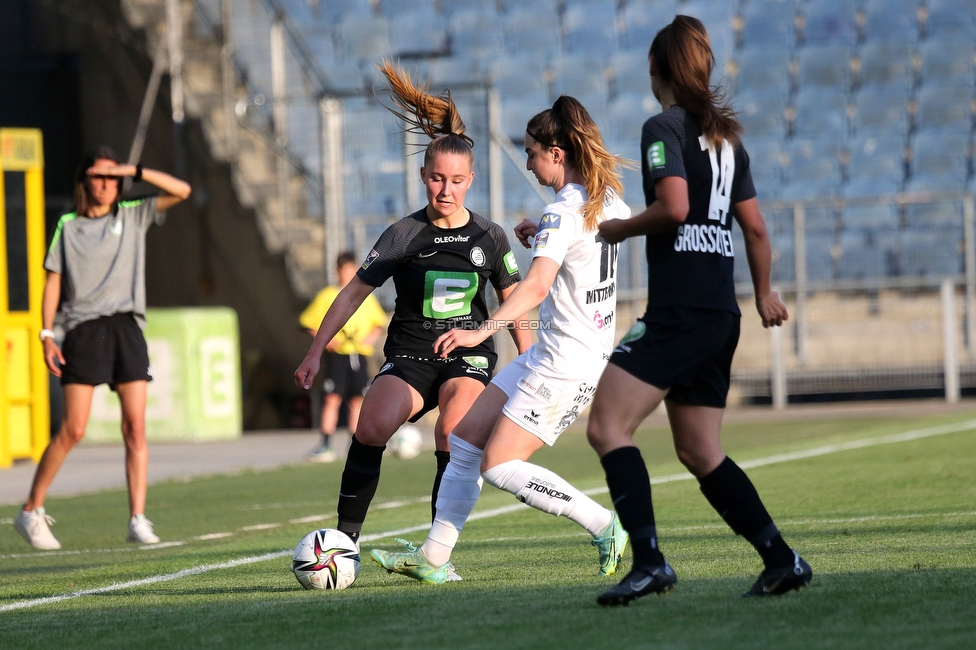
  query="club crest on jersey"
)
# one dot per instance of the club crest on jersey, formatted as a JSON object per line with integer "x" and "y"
{"x": 477, "y": 256}
{"x": 550, "y": 220}
{"x": 655, "y": 155}
{"x": 369, "y": 258}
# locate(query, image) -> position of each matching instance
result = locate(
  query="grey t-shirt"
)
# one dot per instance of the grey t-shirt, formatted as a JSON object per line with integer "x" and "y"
{"x": 102, "y": 262}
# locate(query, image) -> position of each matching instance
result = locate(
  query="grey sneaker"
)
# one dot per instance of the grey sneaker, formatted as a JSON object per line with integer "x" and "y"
{"x": 322, "y": 454}
{"x": 33, "y": 526}
{"x": 141, "y": 531}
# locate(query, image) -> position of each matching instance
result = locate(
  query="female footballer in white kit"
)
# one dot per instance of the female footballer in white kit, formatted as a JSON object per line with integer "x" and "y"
{"x": 539, "y": 394}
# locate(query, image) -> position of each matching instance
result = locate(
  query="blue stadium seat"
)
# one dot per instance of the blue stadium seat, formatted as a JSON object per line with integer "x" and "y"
{"x": 455, "y": 69}
{"x": 331, "y": 11}
{"x": 888, "y": 64}
{"x": 947, "y": 62}
{"x": 763, "y": 68}
{"x": 820, "y": 250}
{"x": 364, "y": 36}
{"x": 476, "y": 32}
{"x": 870, "y": 217}
{"x": 344, "y": 75}
{"x": 922, "y": 216}
{"x": 931, "y": 253}
{"x": 950, "y": 20}
{"x": 420, "y": 32}
{"x": 766, "y": 165}
{"x": 320, "y": 42}
{"x": 579, "y": 75}
{"x": 813, "y": 169}
{"x": 542, "y": 6}
{"x": 769, "y": 22}
{"x": 859, "y": 259}
{"x": 946, "y": 109}
{"x": 821, "y": 112}
{"x": 762, "y": 113}
{"x": 516, "y": 113}
{"x": 876, "y": 166}
{"x": 591, "y": 29}
{"x": 630, "y": 72}
{"x": 830, "y": 23}
{"x": 641, "y": 20}
{"x": 626, "y": 115}
{"x": 717, "y": 18}
{"x": 396, "y": 8}
{"x": 521, "y": 78}
{"x": 825, "y": 66}
{"x": 532, "y": 30}
{"x": 938, "y": 163}
{"x": 880, "y": 111}
{"x": 891, "y": 21}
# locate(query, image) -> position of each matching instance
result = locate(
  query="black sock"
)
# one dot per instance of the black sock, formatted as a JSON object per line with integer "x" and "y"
{"x": 360, "y": 477}
{"x": 443, "y": 458}
{"x": 735, "y": 499}
{"x": 327, "y": 440}
{"x": 630, "y": 490}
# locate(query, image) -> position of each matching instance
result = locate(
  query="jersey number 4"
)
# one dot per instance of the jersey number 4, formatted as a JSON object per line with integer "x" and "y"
{"x": 449, "y": 293}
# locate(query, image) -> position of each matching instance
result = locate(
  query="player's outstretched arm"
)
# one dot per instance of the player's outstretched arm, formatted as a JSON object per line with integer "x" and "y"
{"x": 528, "y": 294}
{"x": 343, "y": 307}
{"x": 759, "y": 254}
{"x": 669, "y": 209}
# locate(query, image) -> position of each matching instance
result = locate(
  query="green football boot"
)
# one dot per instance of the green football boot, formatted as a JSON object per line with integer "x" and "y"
{"x": 611, "y": 543}
{"x": 410, "y": 563}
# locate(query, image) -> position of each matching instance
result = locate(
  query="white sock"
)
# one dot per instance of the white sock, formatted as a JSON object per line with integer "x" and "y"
{"x": 549, "y": 492}
{"x": 456, "y": 497}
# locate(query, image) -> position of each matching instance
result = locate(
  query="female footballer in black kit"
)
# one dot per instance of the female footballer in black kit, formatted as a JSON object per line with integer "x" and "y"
{"x": 696, "y": 180}
{"x": 440, "y": 259}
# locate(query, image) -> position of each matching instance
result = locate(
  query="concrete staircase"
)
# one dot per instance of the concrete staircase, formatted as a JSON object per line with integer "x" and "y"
{"x": 247, "y": 145}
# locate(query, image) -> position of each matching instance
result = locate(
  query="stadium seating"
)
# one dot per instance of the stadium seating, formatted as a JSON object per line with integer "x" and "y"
{"x": 880, "y": 111}
{"x": 950, "y": 20}
{"x": 641, "y": 20}
{"x": 418, "y": 33}
{"x": 630, "y": 72}
{"x": 821, "y": 112}
{"x": 891, "y": 21}
{"x": 870, "y": 217}
{"x": 626, "y": 115}
{"x": 830, "y": 23}
{"x": 887, "y": 64}
{"x": 939, "y": 162}
{"x": 762, "y": 113}
{"x": 364, "y": 36}
{"x": 945, "y": 108}
{"x": 860, "y": 258}
{"x": 396, "y": 8}
{"x": 947, "y": 62}
{"x": 532, "y": 30}
{"x": 476, "y": 32}
{"x": 591, "y": 28}
{"x": 331, "y": 11}
{"x": 580, "y": 75}
{"x": 930, "y": 253}
{"x": 521, "y": 78}
{"x": 763, "y": 67}
{"x": 824, "y": 66}
{"x": 768, "y": 22}
{"x": 876, "y": 161}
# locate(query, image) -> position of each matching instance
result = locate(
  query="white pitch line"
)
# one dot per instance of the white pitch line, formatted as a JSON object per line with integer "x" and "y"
{"x": 759, "y": 462}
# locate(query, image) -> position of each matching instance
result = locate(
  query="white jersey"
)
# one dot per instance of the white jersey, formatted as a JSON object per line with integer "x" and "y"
{"x": 576, "y": 333}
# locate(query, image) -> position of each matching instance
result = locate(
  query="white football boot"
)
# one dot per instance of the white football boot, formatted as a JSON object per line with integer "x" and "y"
{"x": 33, "y": 525}
{"x": 141, "y": 531}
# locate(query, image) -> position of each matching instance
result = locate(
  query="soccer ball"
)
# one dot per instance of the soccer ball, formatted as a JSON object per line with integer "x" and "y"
{"x": 326, "y": 559}
{"x": 407, "y": 442}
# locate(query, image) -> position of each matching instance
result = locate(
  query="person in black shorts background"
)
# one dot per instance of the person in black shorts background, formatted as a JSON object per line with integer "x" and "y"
{"x": 96, "y": 268}
{"x": 696, "y": 181}
{"x": 346, "y": 375}
{"x": 440, "y": 258}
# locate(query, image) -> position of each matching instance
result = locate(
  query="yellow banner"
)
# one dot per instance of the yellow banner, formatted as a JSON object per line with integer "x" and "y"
{"x": 21, "y": 149}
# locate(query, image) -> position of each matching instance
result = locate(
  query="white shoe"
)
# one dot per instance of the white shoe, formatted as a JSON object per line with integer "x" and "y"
{"x": 141, "y": 531}
{"x": 322, "y": 454}
{"x": 452, "y": 574}
{"x": 33, "y": 526}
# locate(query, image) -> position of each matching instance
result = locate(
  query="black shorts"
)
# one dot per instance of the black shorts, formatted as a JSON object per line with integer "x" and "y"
{"x": 427, "y": 375}
{"x": 346, "y": 375}
{"x": 686, "y": 350}
{"x": 108, "y": 350}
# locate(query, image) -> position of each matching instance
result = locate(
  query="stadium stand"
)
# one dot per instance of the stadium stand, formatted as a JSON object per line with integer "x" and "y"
{"x": 830, "y": 23}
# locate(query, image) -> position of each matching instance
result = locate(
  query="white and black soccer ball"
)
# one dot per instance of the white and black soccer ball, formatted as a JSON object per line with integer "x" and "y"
{"x": 326, "y": 559}
{"x": 407, "y": 442}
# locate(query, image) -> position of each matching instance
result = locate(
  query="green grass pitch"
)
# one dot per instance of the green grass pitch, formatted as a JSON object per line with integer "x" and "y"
{"x": 890, "y": 530}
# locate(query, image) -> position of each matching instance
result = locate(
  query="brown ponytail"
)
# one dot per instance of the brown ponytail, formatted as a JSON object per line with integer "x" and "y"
{"x": 683, "y": 57}
{"x": 435, "y": 116}
{"x": 568, "y": 125}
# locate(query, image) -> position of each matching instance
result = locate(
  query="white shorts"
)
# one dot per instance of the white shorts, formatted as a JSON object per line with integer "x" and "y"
{"x": 540, "y": 402}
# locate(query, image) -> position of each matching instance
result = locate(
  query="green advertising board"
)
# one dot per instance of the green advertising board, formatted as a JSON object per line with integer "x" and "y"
{"x": 195, "y": 393}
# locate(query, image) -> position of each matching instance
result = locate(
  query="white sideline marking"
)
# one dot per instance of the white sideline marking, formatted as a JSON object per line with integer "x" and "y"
{"x": 8, "y": 521}
{"x": 758, "y": 462}
{"x": 308, "y": 520}
{"x": 203, "y": 568}
{"x": 204, "y": 538}
{"x": 261, "y": 527}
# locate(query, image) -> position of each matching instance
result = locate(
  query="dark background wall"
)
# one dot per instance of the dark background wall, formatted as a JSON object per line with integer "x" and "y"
{"x": 74, "y": 69}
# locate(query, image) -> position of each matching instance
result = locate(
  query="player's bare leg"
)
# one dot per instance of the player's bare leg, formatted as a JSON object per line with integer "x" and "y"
{"x": 132, "y": 395}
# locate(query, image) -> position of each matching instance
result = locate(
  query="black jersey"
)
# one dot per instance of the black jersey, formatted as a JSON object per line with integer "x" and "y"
{"x": 440, "y": 276}
{"x": 691, "y": 265}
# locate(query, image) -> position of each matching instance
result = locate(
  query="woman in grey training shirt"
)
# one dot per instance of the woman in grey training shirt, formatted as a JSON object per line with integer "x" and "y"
{"x": 97, "y": 275}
